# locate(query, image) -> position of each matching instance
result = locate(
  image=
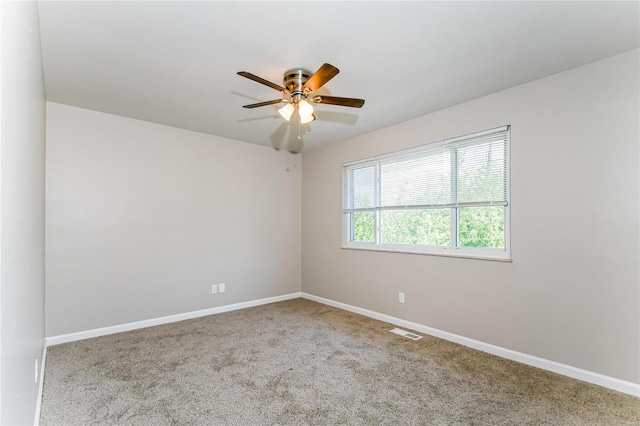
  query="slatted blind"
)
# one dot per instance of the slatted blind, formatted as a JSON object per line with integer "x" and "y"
{"x": 423, "y": 180}
{"x": 363, "y": 187}
{"x": 481, "y": 170}
{"x": 461, "y": 172}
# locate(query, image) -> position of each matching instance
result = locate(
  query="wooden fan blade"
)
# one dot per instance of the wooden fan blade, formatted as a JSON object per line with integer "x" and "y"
{"x": 325, "y": 73}
{"x": 265, "y": 103}
{"x": 261, "y": 80}
{"x": 334, "y": 100}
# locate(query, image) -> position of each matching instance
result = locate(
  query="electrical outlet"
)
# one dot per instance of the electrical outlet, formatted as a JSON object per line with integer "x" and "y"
{"x": 401, "y": 297}
{"x": 222, "y": 287}
{"x": 36, "y": 370}
{"x": 214, "y": 288}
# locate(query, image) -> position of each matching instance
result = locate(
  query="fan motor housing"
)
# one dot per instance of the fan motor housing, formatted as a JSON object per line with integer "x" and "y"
{"x": 294, "y": 79}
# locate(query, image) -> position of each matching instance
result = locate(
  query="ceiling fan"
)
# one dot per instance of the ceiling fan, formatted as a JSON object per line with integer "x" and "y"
{"x": 298, "y": 87}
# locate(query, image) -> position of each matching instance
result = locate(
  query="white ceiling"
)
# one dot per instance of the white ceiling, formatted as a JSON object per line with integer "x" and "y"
{"x": 175, "y": 63}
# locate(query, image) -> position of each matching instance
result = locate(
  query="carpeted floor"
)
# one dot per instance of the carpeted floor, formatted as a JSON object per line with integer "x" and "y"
{"x": 303, "y": 363}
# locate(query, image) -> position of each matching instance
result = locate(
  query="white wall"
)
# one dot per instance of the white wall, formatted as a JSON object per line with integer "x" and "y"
{"x": 572, "y": 293}
{"x": 143, "y": 218}
{"x": 22, "y": 141}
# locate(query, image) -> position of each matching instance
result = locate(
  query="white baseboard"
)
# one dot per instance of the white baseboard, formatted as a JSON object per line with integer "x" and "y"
{"x": 71, "y": 337}
{"x": 43, "y": 361}
{"x": 545, "y": 364}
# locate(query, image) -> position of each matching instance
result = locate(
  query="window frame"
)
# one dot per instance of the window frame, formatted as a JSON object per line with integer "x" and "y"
{"x": 498, "y": 254}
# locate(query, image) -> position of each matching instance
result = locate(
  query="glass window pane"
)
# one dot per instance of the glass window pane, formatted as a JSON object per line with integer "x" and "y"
{"x": 363, "y": 225}
{"x": 363, "y": 181}
{"x": 429, "y": 227}
{"x": 481, "y": 227}
{"x": 481, "y": 172}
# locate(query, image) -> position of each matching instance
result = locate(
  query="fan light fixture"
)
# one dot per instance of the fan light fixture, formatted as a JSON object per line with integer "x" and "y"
{"x": 307, "y": 119}
{"x": 305, "y": 109}
{"x": 286, "y": 111}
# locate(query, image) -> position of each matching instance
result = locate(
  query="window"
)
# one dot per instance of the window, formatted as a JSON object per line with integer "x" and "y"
{"x": 449, "y": 198}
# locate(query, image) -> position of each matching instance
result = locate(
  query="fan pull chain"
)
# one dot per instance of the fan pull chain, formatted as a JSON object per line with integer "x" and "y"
{"x": 299, "y": 137}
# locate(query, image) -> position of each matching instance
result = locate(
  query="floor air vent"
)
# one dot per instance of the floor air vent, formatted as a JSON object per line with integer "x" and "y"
{"x": 406, "y": 334}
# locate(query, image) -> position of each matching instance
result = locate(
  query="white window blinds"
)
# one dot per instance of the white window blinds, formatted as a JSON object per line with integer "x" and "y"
{"x": 363, "y": 187}
{"x": 470, "y": 171}
{"x": 480, "y": 164}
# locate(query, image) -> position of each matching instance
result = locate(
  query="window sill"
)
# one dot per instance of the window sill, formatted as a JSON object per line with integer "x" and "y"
{"x": 444, "y": 253}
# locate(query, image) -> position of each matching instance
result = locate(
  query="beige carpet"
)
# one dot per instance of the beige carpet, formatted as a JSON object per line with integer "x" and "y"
{"x": 303, "y": 363}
